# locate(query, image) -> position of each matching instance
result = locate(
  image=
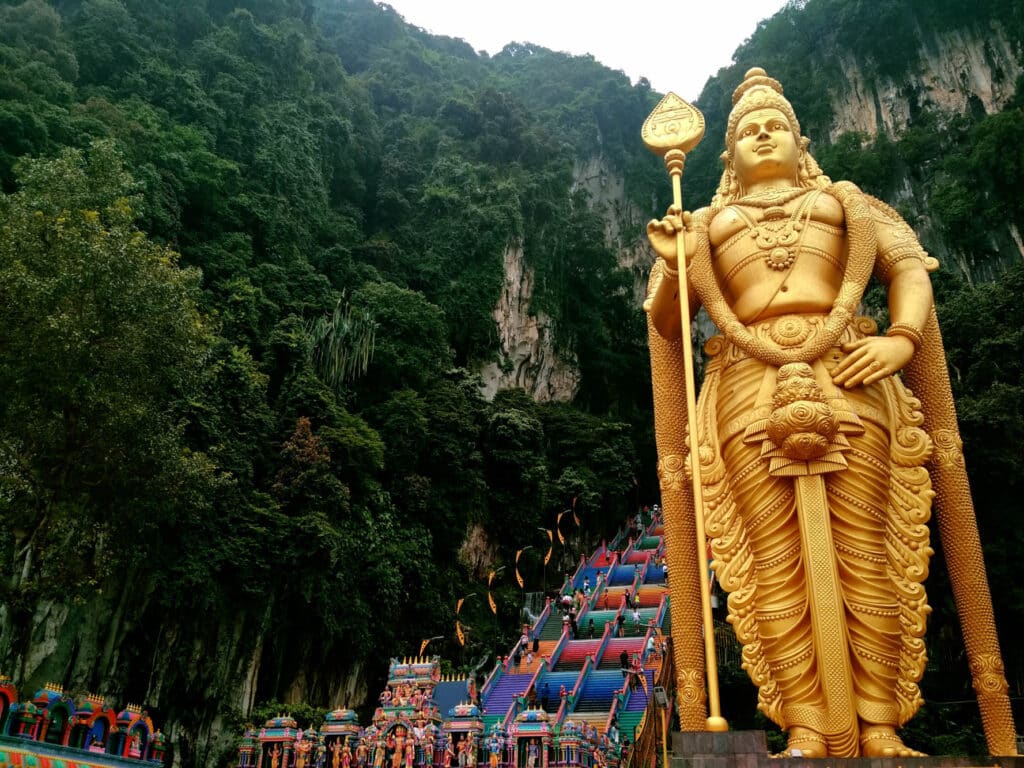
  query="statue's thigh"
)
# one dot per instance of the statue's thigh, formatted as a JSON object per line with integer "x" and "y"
{"x": 768, "y": 508}
{"x": 858, "y": 502}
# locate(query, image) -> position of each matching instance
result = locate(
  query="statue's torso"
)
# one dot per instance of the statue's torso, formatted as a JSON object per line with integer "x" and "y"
{"x": 785, "y": 259}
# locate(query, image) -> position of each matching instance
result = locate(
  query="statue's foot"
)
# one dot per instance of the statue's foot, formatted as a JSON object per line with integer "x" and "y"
{"x": 882, "y": 741}
{"x": 809, "y": 743}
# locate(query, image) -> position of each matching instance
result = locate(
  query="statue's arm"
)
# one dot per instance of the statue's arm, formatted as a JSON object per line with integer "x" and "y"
{"x": 901, "y": 266}
{"x": 663, "y": 290}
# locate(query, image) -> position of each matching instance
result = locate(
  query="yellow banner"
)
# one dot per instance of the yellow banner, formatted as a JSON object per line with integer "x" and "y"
{"x": 494, "y": 606}
{"x": 459, "y": 634}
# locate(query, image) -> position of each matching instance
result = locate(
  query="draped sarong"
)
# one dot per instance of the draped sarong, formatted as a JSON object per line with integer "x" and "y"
{"x": 878, "y": 496}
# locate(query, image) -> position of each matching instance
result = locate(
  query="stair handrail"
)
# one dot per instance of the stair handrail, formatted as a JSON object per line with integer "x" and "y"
{"x": 575, "y": 574}
{"x": 600, "y": 552}
{"x": 600, "y": 584}
{"x": 539, "y": 624}
{"x": 510, "y": 716}
{"x": 492, "y": 678}
{"x": 617, "y": 703}
{"x": 630, "y": 547}
{"x": 559, "y": 646}
{"x": 601, "y": 581}
{"x": 638, "y": 579}
{"x": 617, "y": 539}
{"x": 584, "y": 609}
{"x": 603, "y": 645}
{"x": 659, "y": 617}
{"x": 569, "y": 702}
{"x": 588, "y": 662}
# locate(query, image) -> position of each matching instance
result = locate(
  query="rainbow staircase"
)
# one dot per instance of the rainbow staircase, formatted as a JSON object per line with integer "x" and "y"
{"x": 579, "y": 679}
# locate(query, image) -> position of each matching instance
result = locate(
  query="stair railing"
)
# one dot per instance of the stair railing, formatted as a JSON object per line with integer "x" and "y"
{"x": 569, "y": 702}
{"x": 538, "y": 625}
{"x": 662, "y": 610}
{"x": 563, "y": 639}
{"x": 602, "y": 647}
{"x": 492, "y": 679}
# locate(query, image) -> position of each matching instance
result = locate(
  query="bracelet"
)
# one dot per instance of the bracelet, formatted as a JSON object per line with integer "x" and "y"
{"x": 907, "y": 331}
{"x": 668, "y": 271}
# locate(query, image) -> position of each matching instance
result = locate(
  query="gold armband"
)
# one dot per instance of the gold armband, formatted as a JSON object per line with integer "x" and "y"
{"x": 907, "y": 331}
{"x": 667, "y": 271}
{"x": 894, "y": 254}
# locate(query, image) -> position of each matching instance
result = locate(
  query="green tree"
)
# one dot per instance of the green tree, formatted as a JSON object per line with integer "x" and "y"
{"x": 103, "y": 345}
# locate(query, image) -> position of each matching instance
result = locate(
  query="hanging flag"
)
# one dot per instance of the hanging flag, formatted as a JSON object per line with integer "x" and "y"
{"x": 551, "y": 546}
{"x": 558, "y": 526}
{"x": 519, "y": 577}
{"x": 459, "y": 634}
{"x": 423, "y": 645}
{"x": 490, "y": 597}
{"x": 458, "y": 605}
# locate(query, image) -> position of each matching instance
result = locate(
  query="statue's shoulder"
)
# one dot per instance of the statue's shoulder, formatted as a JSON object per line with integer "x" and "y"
{"x": 719, "y": 224}
{"x": 898, "y": 245}
{"x": 827, "y": 209}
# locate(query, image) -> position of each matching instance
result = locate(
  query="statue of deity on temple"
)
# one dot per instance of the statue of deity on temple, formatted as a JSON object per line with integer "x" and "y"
{"x": 814, "y": 454}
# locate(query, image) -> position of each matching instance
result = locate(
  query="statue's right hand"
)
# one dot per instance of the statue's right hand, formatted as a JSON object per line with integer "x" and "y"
{"x": 663, "y": 233}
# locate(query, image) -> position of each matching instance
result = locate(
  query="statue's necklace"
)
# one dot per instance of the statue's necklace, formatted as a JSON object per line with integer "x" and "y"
{"x": 777, "y": 237}
{"x": 770, "y": 198}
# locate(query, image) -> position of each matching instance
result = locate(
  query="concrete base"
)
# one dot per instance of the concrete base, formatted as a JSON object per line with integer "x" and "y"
{"x": 749, "y": 749}
{"x": 732, "y": 749}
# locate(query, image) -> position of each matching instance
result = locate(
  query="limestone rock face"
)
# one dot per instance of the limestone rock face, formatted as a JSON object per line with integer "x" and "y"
{"x": 954, "y": 72}
{"x": 624, "y": 222}
{"x": 528, "y": 359}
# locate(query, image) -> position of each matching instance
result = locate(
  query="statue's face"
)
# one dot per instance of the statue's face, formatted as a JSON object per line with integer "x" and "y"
{"x": 765, "y": 148}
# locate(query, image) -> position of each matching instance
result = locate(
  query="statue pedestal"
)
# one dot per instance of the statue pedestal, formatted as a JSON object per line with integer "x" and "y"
{"x": 749, "y": 749}
{"x": 732, "y": 749}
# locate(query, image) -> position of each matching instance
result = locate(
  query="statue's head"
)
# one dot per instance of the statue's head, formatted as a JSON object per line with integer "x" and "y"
{"x": 758, "y": 92}
{"x": 759, "y": 102}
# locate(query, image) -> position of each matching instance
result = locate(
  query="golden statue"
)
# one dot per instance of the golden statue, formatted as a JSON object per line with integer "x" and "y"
{"x": 813, "y": 481}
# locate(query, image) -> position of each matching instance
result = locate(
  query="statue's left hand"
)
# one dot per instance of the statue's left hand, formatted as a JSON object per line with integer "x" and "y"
{"x": 871, "y": 359}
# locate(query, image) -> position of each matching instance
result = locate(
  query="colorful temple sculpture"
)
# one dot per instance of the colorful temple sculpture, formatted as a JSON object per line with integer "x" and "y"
{"x": 52, "y": 729}
{"x": 577, "y": 688}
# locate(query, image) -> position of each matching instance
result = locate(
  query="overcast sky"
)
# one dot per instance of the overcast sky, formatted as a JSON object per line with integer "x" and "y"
{"x": 676, "y": 44}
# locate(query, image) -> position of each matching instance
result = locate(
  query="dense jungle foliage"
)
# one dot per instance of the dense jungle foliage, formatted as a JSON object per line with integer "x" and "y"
{"x": 249, "y": 256}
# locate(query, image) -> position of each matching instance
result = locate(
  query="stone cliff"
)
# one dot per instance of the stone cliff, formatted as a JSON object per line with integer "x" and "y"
{"x": 955, "y": 72}
{"x": 528, "y": 359}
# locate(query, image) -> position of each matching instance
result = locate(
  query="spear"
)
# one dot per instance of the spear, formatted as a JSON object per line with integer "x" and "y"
{"x": 671, "y": 130}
